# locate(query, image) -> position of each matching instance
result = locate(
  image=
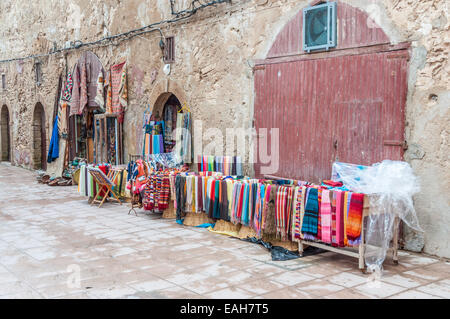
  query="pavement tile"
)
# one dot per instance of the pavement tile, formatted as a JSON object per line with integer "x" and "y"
{"x": 319, "y": 287}
{"x": 347, "y": 279}
{"x": 151, "y": 285}
{"x": 379, "y": 289}
{"x": 230, "y": 293}
{"x": 413, "y": 294}
{"x": 439, "y": 288}
{"x": 291, "y": 278}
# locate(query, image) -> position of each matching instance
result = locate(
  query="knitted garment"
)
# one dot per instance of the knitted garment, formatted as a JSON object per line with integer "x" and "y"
{"x": 163, "y": 202}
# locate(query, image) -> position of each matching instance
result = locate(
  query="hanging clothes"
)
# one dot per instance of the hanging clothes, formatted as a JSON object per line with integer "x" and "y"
{"x": 53, "y": 149}
{"x": 117, "y": 91}
{"x": 85, "y": 75}
{"x": 63, "y": 108}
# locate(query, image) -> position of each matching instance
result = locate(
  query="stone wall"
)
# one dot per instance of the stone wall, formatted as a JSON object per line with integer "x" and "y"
{"x": 212, "y": 73}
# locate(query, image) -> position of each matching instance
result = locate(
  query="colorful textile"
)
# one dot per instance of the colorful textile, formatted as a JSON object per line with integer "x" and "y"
{"x": 296, "y": 214}
{"x": 117, "y": 92}
{"x": 340, "y": 218}
{"x": 85, "y": 78}
{"x": 333, "y": 219}
{"x": 280, "y": 213}
{"x": 355, "y": 215}
{"x": 311, "y": 218}
{"x": 53, "y": 149}
{"x": 257, "y": 218}
{"x": 325, "y": 213}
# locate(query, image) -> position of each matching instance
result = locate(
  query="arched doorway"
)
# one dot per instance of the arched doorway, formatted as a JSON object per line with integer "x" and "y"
{"x": 39, "y": 138}
{"x": 167, "y": 114}
{"x": 346, "y": 104}
{"x": 5, "y": 145}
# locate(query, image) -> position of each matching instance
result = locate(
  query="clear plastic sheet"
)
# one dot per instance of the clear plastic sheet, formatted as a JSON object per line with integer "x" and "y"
{"x": 166, "y": 160}
{"x": 390, "y": 186}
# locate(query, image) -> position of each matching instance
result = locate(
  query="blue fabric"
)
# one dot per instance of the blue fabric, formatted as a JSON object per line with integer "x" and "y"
{"x": 206, "y": 225}
{"x": 53, "y": 149}
{"x": 245, "y": 208}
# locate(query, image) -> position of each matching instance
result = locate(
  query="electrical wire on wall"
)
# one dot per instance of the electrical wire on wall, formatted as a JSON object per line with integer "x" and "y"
{"x": 195, "y": 6}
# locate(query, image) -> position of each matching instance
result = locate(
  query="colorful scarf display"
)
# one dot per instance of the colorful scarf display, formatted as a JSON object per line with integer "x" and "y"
{"x": 297, "y": 211}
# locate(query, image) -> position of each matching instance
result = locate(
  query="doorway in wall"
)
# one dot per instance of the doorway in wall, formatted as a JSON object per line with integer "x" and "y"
{"x": 39, "y": 139}
{"x": 5, "y": 145}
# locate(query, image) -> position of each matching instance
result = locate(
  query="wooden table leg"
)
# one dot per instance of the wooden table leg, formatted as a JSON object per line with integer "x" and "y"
{"x": 300, "y": 248}
{"x": 361, "y": 249}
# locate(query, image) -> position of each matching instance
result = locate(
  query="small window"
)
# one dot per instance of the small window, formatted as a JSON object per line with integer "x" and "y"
{"x": 4, "y": 81}
{"x": 319, "y": 27}
{"x": 38, "y": 71}
{"x": 169, "y": 50}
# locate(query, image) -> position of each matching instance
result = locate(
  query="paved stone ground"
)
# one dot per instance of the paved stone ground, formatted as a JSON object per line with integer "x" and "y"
{"x": 48, "y": 233}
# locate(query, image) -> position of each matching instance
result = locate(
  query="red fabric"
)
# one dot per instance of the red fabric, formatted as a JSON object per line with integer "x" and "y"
{"x": 332, "y": 183}
{"x": 241, "y": 199}
{"x": 354, "y": 219}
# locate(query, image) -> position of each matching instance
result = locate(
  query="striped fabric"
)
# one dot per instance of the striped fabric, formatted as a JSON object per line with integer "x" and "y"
{"x": 310, "y": 219}
{"x": 325, "y": 213}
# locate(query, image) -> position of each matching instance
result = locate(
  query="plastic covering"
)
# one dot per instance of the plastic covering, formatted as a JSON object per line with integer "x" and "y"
{"x": 390, "y": 186}
{"x": 166, "y": 160}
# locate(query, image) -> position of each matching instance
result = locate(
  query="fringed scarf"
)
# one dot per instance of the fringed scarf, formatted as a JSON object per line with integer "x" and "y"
{"x": 163, "y": 202}
{"x": 355, "y": 215}
{"x": 325, "y": 214}
{"x": 265, "y": 203}
{"x": 296, "y": 214}
{"x": 311, "y": 218}
{"x": 283, "y": 211}
{"x": 340, "y": 218}
{"x": 333, "y": 219}
{"x": 257, "y": 218}
{"x": 245, "y": 205}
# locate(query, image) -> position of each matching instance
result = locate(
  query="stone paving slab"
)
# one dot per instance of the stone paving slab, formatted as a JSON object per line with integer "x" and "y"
{"x": 53, "y": 244}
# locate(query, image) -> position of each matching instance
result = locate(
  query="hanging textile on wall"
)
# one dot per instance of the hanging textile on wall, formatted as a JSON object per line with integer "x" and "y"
{"x": 183, "y": 137}
{"x": 117, "y": 91}
{"x": 85, "y": 92}
{"x": 64, "y": 105}
{"x": 53, "y": 149}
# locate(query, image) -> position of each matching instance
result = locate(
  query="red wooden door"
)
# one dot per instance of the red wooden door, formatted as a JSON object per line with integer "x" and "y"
{"x": 347, "y": 108}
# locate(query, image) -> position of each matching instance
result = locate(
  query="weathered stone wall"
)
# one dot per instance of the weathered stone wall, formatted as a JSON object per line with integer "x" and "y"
{"x": 212, "y": 73}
